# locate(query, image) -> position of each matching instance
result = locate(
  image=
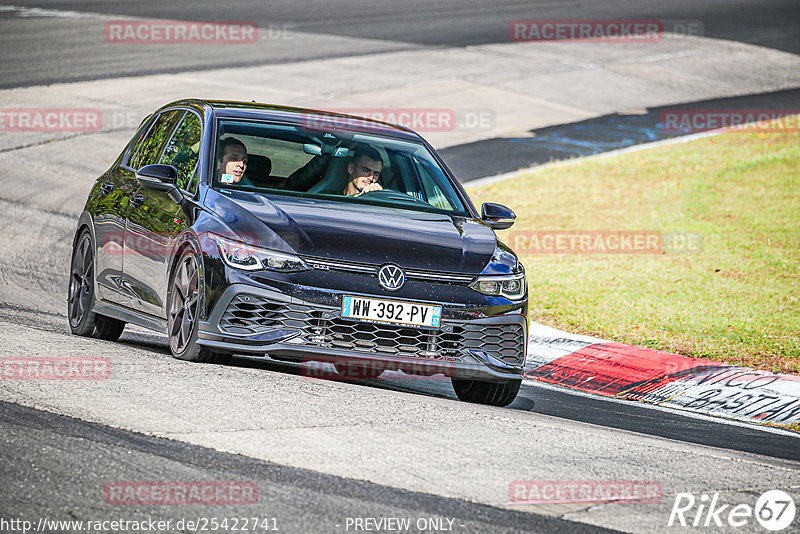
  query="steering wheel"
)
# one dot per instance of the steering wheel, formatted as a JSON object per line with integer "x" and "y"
{"x": 388, "y": 192}
{"x": 393, "y": 195}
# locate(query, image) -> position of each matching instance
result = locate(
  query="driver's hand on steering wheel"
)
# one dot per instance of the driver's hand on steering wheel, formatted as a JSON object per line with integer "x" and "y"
{"x": 374, "y": 186}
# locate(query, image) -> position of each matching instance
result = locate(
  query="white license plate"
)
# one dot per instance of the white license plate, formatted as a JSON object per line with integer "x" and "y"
{"x": 391, "y": 311}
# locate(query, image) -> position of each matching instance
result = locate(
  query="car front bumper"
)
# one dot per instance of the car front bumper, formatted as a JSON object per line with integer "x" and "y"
{"x": 259, "y": 321}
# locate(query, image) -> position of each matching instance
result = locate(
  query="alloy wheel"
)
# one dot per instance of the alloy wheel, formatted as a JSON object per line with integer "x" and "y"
{"x": 81, "y": 282}
{"x": 183, "y": 303}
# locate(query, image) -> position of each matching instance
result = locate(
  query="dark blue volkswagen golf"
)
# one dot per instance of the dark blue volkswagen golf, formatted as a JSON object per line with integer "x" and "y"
{"x": 300, "y": 235}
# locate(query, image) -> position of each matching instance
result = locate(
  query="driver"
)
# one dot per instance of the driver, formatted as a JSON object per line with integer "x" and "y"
{"x": 363, "y": 172}
{"x": 232, "y": 162}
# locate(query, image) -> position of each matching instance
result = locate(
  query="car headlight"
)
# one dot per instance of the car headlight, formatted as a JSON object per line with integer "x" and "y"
{"x": 252, "y": 258}
{"x": 509, "y": 286}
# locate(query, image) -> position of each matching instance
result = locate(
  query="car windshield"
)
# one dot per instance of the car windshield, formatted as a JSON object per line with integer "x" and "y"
{"x": 332, "y": 164}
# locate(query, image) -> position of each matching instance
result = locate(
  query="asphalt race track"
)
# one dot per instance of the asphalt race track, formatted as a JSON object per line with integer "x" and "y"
{"x": 616, "y": 131}
{"x": 323, "y": 453}
{"x": 57, "y": 445}
{"x": 372, "y": 26}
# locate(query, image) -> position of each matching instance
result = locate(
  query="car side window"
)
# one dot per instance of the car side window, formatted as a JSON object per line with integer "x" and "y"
{"x": 141, "y": 133}
{"x": 182, "y": 151}
{"x": 150, "y": 147}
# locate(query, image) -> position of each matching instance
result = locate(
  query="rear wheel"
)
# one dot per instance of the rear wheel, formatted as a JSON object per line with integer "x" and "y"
{"x": 80, "y": 296}
{"x": 183, "y": 304}
{"x": 491, "y": 393}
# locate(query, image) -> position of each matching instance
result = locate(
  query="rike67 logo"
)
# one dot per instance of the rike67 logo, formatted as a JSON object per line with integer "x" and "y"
{"x": 774, "y": 510}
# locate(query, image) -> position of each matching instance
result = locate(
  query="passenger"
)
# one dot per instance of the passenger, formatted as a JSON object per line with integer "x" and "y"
{"x": 364, "y": 171}
{"x": 232, "y": 162}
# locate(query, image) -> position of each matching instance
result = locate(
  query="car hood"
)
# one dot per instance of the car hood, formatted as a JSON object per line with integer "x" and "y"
{"x": 360, "y": 232}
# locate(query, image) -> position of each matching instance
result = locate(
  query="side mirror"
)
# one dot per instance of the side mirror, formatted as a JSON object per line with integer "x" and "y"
{"x": 160, "y": 178}
{"x": 497, "y": 216}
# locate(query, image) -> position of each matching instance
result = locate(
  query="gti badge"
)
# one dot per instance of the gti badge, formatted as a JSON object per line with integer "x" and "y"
{"x": 391, "y": 277}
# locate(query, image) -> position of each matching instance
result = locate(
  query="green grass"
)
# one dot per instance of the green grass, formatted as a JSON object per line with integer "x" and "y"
{"x": 737, "y": 300}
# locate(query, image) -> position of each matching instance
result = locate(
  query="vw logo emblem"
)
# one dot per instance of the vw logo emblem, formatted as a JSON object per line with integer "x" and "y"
{"x": 391, "y": 277}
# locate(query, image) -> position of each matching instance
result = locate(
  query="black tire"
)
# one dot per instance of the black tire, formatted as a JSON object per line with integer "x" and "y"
{"x": 80, "y": 295}
{"x": 108, "y": 328}
{"x": 183, "y": 302}
{"x": 491, "y": 393}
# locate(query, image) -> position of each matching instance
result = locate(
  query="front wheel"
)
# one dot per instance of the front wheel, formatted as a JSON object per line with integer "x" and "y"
{"x": 183, "y": 304}
{"x": 491, "y": 393}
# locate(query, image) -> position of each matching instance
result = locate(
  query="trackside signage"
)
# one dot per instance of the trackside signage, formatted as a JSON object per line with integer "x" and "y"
{"x": 735, "y": 392}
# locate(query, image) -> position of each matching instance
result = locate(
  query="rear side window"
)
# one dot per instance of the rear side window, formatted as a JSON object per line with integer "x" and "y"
{"x": 182, "y": 150}
{"x": 150, "y": 147}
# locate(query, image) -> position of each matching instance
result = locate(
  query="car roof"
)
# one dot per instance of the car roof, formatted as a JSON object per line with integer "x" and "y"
{"x": 228, "y": 109}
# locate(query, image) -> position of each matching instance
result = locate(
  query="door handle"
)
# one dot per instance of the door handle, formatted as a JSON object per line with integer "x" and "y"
{"x": 106, "y": 188}
{"x": 137, "y": 200}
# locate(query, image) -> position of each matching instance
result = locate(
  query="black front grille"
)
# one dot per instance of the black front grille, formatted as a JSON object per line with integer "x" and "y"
{"x": 249, "y": 314}
{"x": 504, "y": 341}
{"x": 386, "y": 339}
